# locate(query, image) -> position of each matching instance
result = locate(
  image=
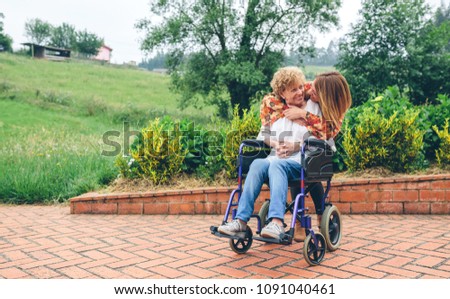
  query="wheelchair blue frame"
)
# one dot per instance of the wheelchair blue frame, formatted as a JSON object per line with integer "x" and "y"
{"x": 299, "y": 203}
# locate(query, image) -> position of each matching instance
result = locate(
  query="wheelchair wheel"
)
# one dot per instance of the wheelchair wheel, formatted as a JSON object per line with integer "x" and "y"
{"x": 314, "y": 252}
{"x": 331, "y": 227}
{"x": 263, "y": 212}
{"x": 242, "y": 245}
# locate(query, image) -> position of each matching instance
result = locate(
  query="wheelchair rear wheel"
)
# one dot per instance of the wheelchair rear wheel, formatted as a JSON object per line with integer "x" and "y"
{"x": 243, "y": 244}
{"x": 314, "y": 251}
{"x": 331, "y": 227}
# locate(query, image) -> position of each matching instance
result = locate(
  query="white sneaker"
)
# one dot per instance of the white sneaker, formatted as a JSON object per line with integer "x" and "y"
{"x": 272, "y": 230}
{"x": 232, "y": 228}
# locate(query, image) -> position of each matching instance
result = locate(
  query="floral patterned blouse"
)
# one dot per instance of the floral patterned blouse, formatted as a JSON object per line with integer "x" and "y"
{"x": 272, "y": 109}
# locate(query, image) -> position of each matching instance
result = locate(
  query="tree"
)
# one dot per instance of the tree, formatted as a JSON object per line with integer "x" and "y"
{"x": 442, "y": 14}
{"x": 64, "y": 36}
{"x": 88, "y": 44}
{"x": 429, "y": 61}
{"x": 5, "y": 40}
{"x": 373, "y": 55}
{"x": 38, "y": 31}
{"x": 227, "y": 51}
{"x": 157, "y": 62}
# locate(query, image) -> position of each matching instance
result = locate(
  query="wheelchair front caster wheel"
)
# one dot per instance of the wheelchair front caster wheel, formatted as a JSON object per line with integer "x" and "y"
{"x": 331, "y": 227}
{"x": 314, "y": 251}
{"x": 243, "y": 244}
{"x": 263, "y": 212}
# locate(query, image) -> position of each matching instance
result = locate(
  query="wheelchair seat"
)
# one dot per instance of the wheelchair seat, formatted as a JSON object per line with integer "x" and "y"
{"x": 317, "y": 159}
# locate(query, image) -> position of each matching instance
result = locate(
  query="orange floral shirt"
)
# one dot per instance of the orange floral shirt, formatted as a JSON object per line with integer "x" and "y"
{"x": 271, "y": 109}
{"x": 320, "y": 128}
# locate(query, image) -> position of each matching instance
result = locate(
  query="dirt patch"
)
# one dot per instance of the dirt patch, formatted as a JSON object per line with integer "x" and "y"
{"x": 381, "y": 172}
{"x": 185, "y": 182}
{"x": 181, "y": 182}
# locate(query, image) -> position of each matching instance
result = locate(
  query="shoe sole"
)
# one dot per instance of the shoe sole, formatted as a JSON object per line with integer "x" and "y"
{"x": 229, "y": 233}
{"x": 270, "y": 235}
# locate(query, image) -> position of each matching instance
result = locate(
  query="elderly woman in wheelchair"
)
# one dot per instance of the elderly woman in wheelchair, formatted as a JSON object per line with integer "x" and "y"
{"x": 295, "y": 157}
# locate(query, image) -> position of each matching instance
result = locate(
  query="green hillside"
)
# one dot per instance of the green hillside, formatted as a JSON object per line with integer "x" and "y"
{"x": 53, "y": 116}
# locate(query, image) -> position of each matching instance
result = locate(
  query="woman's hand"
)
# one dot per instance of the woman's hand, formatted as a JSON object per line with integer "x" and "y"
{"x": 293, "y": 113}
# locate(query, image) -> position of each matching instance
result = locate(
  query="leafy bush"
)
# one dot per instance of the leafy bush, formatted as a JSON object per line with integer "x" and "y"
{"x": 134, "y": 114}
{"x": 443, "y": 152}
{"x": 95, "y": 106}
{"x": 128, "y": 167}
{"x": 383, "y": 132}
{"x": 159, "y": 153}
{"x": 57, "y": 98}
{"x": 434, "y": 115}
{"x": 213, "y": 152}
{"x": 240, "y": 129}
{"x": 193, "y": 141}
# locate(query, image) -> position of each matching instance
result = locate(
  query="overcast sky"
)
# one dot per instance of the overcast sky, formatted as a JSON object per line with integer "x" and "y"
{"x": 114, "y": 20}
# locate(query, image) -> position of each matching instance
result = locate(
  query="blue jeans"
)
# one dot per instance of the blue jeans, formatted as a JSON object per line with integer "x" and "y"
{"x": 278, "y": 172}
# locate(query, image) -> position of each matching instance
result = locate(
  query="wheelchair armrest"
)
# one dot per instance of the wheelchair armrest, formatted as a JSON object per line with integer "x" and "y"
{"x": 314, "y": 142}
{"x": 255, "y": 143}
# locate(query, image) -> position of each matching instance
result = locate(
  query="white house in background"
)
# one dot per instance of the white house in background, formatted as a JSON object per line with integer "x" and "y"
{"x": 104, "y": 54}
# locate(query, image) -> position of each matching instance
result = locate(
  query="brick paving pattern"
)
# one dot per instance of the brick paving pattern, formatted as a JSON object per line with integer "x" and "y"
{"x": 49, "y": 242}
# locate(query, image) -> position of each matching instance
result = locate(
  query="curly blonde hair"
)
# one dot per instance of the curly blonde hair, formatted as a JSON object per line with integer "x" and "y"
{"x": 286, "y": 77}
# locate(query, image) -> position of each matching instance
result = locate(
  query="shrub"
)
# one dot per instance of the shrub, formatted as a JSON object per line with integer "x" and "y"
{"x": 434, "y": 115}
{"x": 95, "y": 106}
{"x": 443, "y": 152}
{"x": 194, "y": 142}
{"x": 240, "y": 129}
{"x": 133, "y": 114}
{"x": 159, "y": 153}
{"x": 213, "y": 152}
{"x": 372, "y": 138}
{"x": 128, "y": 167}
{"x": 57, "y": 98}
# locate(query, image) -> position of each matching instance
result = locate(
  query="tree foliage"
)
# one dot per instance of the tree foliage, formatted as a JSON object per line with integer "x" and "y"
{"x": 64, "y": 36}
{"x": 157, "y": 62}
{"x": 5, "y": 40}
{"x": 395, "y": 43}
{"x": 429, "y": 63}
{"x": 319, "y": 56}
{"x": 226, "y": 51}
{"x": 38, "y": 31}
{"x": 88, "y": 43}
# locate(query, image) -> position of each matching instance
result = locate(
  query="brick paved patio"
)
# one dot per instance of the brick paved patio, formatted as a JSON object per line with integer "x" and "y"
{"x": 49, "y": 242}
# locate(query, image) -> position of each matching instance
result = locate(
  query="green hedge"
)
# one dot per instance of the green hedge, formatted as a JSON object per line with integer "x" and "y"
{"x": 388, "y": 130}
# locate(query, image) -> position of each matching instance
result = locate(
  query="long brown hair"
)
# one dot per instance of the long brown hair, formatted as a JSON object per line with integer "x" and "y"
{"x": 334, "y": 96}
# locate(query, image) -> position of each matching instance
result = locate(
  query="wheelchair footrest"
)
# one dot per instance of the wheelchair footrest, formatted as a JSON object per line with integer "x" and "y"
{"x": 238, "y": 236}
{"x": 285, "y": 240}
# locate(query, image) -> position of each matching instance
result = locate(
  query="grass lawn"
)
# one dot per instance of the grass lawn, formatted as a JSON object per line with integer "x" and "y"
{"x": 53, "y": 116}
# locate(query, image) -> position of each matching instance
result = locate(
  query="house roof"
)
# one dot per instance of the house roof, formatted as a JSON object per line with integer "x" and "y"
{"x": 105, "y": 46}
{"x": 46, "y": 47}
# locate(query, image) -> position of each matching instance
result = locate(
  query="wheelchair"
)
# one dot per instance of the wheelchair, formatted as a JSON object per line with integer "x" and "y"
{"x": 317, "y": 167}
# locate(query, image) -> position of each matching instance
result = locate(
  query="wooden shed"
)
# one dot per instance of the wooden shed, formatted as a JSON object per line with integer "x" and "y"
{"x": 48, "y": 52}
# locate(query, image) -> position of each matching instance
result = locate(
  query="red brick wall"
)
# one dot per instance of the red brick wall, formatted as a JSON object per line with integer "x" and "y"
{"x": 403, "y": 195}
